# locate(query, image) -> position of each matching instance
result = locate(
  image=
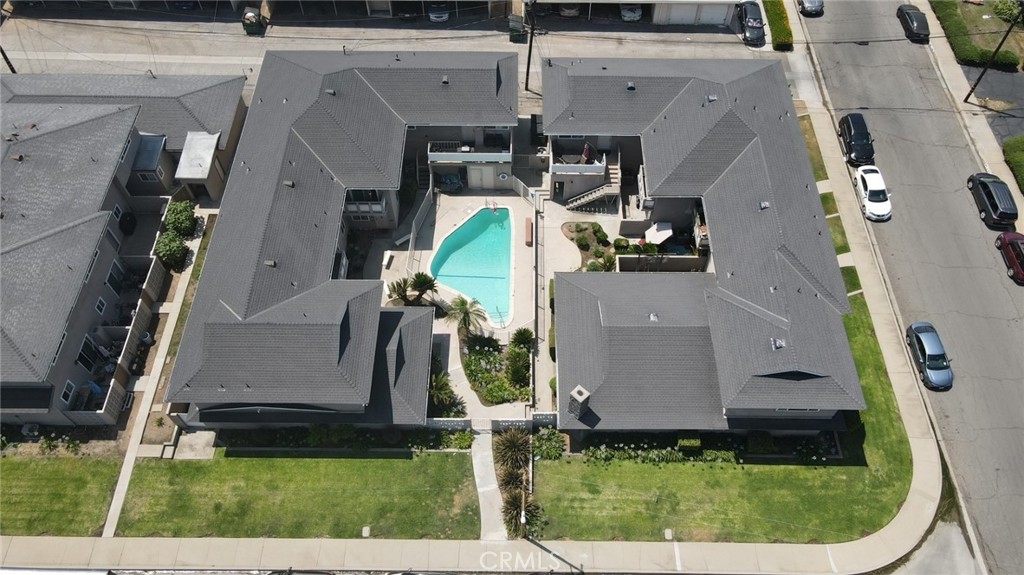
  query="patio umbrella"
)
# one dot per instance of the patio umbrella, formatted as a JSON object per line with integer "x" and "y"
{"x": 659, "y": 232}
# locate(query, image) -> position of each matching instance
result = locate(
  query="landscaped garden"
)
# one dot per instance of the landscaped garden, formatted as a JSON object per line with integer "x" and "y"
{"x": 56, "y": 494}
{"x": 706, "y": 488}
{"x": 321, "y": 494}
{"x": 972, "y": 36}
{"x": 597, "y": 254}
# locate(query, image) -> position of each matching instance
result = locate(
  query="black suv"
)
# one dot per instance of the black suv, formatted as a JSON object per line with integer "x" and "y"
{"x": 856, "y": 140}
{"x": 995, "y": 202}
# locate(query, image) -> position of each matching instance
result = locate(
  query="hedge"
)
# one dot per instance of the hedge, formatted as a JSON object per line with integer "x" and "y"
{"x": 1013, "y": 151}
{"x": 778, "y": 22}
{"x": 551, "y": 341}
{"x": 551, "y": 294}
{"x": 966, "y": 51}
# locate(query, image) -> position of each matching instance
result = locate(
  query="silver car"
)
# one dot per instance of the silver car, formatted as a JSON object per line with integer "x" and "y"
{"x": 811, "y": 7}
{"x": 929, "y": 356}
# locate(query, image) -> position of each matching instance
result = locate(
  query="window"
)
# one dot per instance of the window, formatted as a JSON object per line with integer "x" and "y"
{"x": 360, "y": 218}
{"x": 115, "y": 277}
{"x": 59, "y": 347}
{"x": 88, "y": 355}
{"x": 100, "y": 306}
{"x": 113, "y": 240}
{"x": 363, "y": 196}
{"x": 159, "y": 172}
{"x": 148, "y": 177}
{"x": 117, "y": 212}
{"x": 68, "y": 393}
{"x": 124, "y": 152}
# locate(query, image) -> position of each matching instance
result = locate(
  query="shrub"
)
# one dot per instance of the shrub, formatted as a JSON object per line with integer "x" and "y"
{"x": 510, "y": 479}
{"x": 512, "y": 448}
{"x": 73, "y": 446}
{"x": 602, "y": 237}
{"x": 548, "y": 443}
{"x": 595, "y": 266}
{"x": 966, "y": 51}
{"x": 596, "y": 227}
{"x": 551, "y": 294}
{"x": 1013, "y": 151}
{"x": 688, "y": 442}
{"x": 49, "y": 444}
{"x": 554, "y": 387}
{"x": 597, "y": 252}
{"x": 517, "y": 366}
{"x": 1006, "y": 10}
{"x": 171, "y": 250}
{"x": 621, "y": 245}
{"x": 760, "y": 443}
{"x": 551, "y": 340}
{"x": 582, "y": 243}
{"x": 649, "y": 248}
{"x": 458, "y": 440}
{"x": 181, "y": 218}
{"x": 516, "y": 506}
{"x": 579, "y": 228}
{"x": 499, "y": 391}
{"x": 778, "y": 21}
{"x": 523, "y": 337}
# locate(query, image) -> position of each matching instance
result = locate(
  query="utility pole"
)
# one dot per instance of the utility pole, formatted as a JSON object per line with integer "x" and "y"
{"x": 529, "y": 50}
{"x": 1020, "y": 14}
{"x": 7, "y": 61}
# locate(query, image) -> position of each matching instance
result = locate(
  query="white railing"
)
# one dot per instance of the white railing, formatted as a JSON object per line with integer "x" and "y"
{"x": 595, "y": 168}
{"x": 412, "y": 264}
{"x": 459, "y": 152}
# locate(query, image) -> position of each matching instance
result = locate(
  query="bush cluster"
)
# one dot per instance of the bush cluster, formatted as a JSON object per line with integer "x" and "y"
{"x": 181, "y": 218}
{"x": 331, "y": 436}
{"x": 621, "y": 245}
{"x": 1013, "y": 151}
{"x": 457, "y": 440}
{"x": 548, "y": 443}
{"x": 551, "y": 294}
{"x": 1006, "y": 10}
{"x": 582, "y": 243}
{"x": 171, "y": 250}
{"x": 760, "y": 443}
{"x": 778, "y": 21}
{"x": 500, "y": 378}
{"x": 660, "y": 448}
{"x": 966, "y": 51}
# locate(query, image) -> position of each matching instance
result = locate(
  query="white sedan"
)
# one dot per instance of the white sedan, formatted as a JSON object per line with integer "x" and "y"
{"x": 874, "y": 198}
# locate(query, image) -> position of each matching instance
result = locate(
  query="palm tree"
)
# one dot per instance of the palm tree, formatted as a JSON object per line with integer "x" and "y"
{"x": 517, "y": 507}
{"x": 441, "y": 392}
{"x": 400, "y": 289}
{"x": 512, "y": 448}
{"x": 422, "y": 283}
{"x": 467, "y": 314}
{"x": 522, "y": 337}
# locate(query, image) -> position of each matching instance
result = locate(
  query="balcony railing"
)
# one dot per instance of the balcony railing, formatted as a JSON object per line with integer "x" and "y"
{"x": 458, "y": 152}
{"x": 573, "y": 164}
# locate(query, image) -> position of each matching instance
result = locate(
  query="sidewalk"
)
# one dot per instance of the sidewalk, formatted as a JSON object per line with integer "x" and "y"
{"x": 492, "y": 526}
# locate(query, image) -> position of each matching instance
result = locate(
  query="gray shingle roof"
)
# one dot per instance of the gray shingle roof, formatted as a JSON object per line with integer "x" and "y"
{"x": 641, "y": 373}
{"x": 726, "y": 131}
{"x": 171, "y": 105}
{"x": 325, "y": 143}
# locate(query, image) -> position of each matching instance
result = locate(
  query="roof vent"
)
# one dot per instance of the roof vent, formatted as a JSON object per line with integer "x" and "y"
{"x": 630, "y": 86}
{"x": 773, "y": 289}
{"x": 270, "y": 263}
{"x": 778, "y": 344}
{"x": 549, "y": 63}
{"x": 18, "y": 157}
{"x": 31, "y": 126}
{"x": 653, "y": 317}
{"x": 289, "y": 183}
{"x": 444, "y": 79}
{"x": 764, "y": 205}
{"x": 712, "y": 97}
{"x": 330, "y": 91}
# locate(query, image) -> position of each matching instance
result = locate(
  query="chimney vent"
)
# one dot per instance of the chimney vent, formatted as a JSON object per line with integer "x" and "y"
{"x": 764, "y": 205}
{"x": 270, "y": 263}
{"x": 330, "y": 91}
{"x": 630, "y": 86}
{"x": 444, "y": 79}
{"x": 289, "y": 183}
{"x": 578, "y": 400}
{"x": 778, "y": 344}
{"x": 653, "y": 317}
{"x": 712, "y": 97}
{"x": 18, "y": 157}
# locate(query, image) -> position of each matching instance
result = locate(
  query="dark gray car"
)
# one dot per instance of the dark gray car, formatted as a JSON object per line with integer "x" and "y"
{"x": 914, "y": 23}
{"x": 929, "y": 356}
{"x": 751, "y": 23}
{"x": 811, "y": 7}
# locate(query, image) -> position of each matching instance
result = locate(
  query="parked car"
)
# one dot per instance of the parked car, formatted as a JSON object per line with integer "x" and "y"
{"x": 407, "y": 10}
{"x": 1011, "y": 247}
{"x": 915, "y": 25}
{"x": 856, "y": 140}
{"x": 929, "y": 356}
{"x": 811, "y": 7}
{"x": 631, "y": 12}
{"x": 751, "y": 23}
{"x": 438, "y": 11}
{"x": 874, "y": 198}
{"x": 568, "y": 10}
{"x": 995, "y": 202}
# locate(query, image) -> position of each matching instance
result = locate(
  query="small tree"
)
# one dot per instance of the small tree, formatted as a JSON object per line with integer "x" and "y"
{"x": 400, "y": 289}
{"x": 181, "y": 218}
{"x": 422, "y": 283}
{"x": 441, "y": 392}
{"x": 467, "y": 314}
{"x": 517, "y": 366}
{"x": 512, "y": 448}
{"x": 522, "y": 515}
{"x": 522, "y": 337}
{"x": 509, "y": 479}
{"x": 171, "y": 250}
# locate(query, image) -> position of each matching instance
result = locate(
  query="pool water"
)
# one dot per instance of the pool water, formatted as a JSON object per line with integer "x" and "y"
{"x": 475, "y": 260}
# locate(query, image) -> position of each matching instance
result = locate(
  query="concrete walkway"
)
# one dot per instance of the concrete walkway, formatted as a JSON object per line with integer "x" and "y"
{"x": 492, "y": 527}
{"x": 172, "y": 309}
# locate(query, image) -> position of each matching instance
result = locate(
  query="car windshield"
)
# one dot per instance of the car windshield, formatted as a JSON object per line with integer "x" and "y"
{"x": 937, "y": 361}
{"x": 860, "y": 138}
{"x": 878, "y": 195}
{"x": 754, "y": 23}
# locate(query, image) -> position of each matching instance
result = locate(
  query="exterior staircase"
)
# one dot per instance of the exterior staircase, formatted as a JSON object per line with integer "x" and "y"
{"x": 423, "y": 176}
{"x": 611, "y": 187}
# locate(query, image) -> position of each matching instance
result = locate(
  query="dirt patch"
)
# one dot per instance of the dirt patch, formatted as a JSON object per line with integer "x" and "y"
{"x": 698, "y": 534}
{"x": 591, "y": 241}
{"x": 997, "y": 105}
{"x": 169, "y": 287}
{"x": 95, "y": 448}
{"x": 159, "y": 429}
{"x": 464, "y": 492}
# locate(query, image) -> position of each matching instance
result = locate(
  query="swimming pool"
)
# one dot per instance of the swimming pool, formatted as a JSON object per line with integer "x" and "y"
{"x": 475, "y": 260}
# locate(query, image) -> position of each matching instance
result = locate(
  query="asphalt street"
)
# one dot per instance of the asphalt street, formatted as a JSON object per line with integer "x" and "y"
{"x": 939, "y": 257}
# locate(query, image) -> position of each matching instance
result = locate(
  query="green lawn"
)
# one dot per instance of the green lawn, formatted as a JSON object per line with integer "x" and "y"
{"x": 850, "y": 278}
{"x": 422, "y": 496}
{"x": 56, "y": 495}
{"x": 743, "y": 502}
{"x": 812, "y": 149}
{"x": 835, "y": 225}
{"x": 986, "y": 32}
{"x": 828, "y": 201}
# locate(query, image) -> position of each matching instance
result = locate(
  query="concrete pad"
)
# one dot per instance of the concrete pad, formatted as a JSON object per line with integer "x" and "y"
{"x": 106, "y": 552}
{"x": 660, "y": 556}
{"x": 196, "y": 445}
{"x": 615, "y": 557}
{"x": 412, "y": 553}
{"x": 245, "y": 553}
{"x": 824, "y": 186}
{"x": 285, "y": 553}
{"x": 30, "y": 551}
{"x": 75, "y": 551}
{"x": 370, "y": 554}
{"x": 148, "y": 553}
{"x": 730, "y": 557}
{"x": 444, "y": 554}
{"x": 691, "y": 557}
{"x": 195, "y": 553}
{"x": 786, "y": 558}
{"x": 154, "y": 451}
{"x": 332, "y": 554}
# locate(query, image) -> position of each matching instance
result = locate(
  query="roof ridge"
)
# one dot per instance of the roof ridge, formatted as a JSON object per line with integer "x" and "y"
{"x": 805, "y": 274}
{"x": 120, "y": 108}
{"x": 669, "y": 105}
{"x": 749, "y": 306}
{"x": 54, "y": 231}
{"x": 17, "y": 349}
{"x": 369, "y": 157}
